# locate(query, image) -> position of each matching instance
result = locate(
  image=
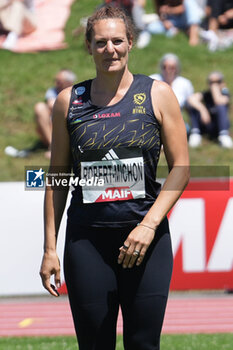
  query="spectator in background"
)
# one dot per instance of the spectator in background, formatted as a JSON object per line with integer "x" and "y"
{"x": 43, "y": 110}
{"x": 219, "y": 15}
{"x": 209, "y": 112}
{"x": 16, "y": 18}
{"x": 135, "y": 10}
{"x": 170, "y": 69}
{"x": 177, "y": 15}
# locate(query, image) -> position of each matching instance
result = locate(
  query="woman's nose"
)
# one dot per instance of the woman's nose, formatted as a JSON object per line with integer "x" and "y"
{"x": 109, "y": 46}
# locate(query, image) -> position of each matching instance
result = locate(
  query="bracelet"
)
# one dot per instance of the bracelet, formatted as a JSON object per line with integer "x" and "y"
{"x": 139, "y": 224}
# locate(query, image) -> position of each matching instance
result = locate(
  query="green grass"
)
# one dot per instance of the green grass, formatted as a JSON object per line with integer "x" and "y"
{"x": 168, "y": 342}
{"x": 25, "y": 77}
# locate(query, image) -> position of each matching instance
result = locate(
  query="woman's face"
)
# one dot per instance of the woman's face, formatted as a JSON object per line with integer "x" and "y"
{"x": 109, "y": 45}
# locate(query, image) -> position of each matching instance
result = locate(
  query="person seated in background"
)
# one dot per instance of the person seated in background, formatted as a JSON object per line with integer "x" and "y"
{"x": 16, "y": 18}
{"x": 170, "y": 69}
{"x": 209, "y": 112}
{"x": 43, "y": 110}
{"x": 135, "y": 10}
{"x": 219, "y": 15}
{"x": 177, "y": 15}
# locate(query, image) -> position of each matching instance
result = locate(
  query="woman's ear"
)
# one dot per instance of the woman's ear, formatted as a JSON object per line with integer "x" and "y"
{"x": 88, "y": 46}
{"x": 130, "y": 44}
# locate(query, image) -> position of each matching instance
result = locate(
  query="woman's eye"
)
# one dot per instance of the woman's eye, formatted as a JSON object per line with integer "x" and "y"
{"x": 118, "y": 41}
{"x": 101, "y": 43}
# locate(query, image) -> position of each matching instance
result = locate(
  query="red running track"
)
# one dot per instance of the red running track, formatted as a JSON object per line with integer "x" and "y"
{"x": 50, "y": 318}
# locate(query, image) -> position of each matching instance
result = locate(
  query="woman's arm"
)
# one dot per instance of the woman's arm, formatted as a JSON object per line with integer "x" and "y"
{"x": 174, "y": 140}
{"x": 55, "y": 198}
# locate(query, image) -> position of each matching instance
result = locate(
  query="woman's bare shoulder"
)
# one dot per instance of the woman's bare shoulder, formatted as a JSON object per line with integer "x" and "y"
{"x": 64, "y": 95}
{"x": 161, "y": 88}
{"x": 162, "y": 97}
{"x": 62, "y": 102}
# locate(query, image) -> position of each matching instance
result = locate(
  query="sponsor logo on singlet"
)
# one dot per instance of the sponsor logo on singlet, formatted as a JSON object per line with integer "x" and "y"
{"x": 72, "y": 108}
{"x": 115, "y": 194}
{"x": 106, "y": 115}
{"x": 80, "y": 90}
{"x": 75, "y": 121}
{"x": 78, "y": 101}
{"x": 139, "y": 98}
{"x": 138, "y": 101}
{"x": 122, "y": 173}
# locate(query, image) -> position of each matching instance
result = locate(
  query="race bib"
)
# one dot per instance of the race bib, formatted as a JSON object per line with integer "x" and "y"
{"x": 112, "y": 175}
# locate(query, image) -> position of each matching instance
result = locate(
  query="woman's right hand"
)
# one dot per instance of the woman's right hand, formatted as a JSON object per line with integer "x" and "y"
{"x": 50, "y": 266}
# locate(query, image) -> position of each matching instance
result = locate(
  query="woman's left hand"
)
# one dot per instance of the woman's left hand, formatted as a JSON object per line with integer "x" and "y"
{"x": 135, "y": 246}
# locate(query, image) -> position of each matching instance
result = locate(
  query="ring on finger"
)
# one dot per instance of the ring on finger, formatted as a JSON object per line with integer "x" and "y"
{"x": 136, "y": 252}
{"x": 125, "y": 247}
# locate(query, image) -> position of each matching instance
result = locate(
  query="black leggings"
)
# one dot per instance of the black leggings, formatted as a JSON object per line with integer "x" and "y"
{"x": 97, "y": 285}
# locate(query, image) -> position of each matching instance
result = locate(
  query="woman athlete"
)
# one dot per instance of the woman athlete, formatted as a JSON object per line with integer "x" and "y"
{"x": 118, "y": 249}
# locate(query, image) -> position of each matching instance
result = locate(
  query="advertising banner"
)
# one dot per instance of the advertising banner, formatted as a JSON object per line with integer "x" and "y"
{"x": 201, "y": 225}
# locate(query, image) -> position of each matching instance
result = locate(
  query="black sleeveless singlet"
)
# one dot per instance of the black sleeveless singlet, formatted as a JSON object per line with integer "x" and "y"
{"x": 119, "y": 144}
